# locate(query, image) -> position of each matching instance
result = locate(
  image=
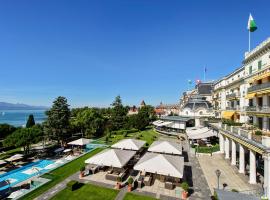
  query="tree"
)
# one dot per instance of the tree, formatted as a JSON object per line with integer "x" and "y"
{"x": 6, "y": 129}
{"x": 145, "y": 115}
{"x": 89, "y": 121}
{"x": 118, "y": 114}
{"x": 57, "y": 123}
{"x": 24, "y": 137}
{"x": 30, "y": 122}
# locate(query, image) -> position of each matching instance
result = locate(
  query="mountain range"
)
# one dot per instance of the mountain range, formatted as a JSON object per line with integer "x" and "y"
{"x": 20, "y": 106}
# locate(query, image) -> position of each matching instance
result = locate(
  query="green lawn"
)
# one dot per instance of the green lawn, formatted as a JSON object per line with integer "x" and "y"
{"x": 147, "y": 135}
{"x": 132, "y": 196}
{"x": 60, "y": 174}
{"x": 87, "y": 192}
{"x": 207, "y": 149}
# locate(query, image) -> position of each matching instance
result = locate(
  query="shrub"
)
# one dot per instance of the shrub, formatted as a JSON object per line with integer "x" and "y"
{"x": 185, "y": 186}
{"x": 118, "y": 179}
{"x": 72, "y": 185}
{"x": 235, "y": 190}
{"x": 258, "y": 132}
{"x": 130, "y": 180}
{"x": 146, "y": 144}
{"x": 82, "y": 168}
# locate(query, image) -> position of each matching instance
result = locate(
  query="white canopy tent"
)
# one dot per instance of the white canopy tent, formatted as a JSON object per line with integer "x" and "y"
{"x": 156, "y": 123}
{"x": 196, "y": 130}
{"x": 111, "y": 157}
{"x": 129, "y": 144}
{"x": 207, "y": 134}
{"x": 166, "y": 147}
{"x": 161, "y": 123}
{"x": 67, "y": 150}
{"x": 2, "y": 162}
{"x": 14, "y": 157}
{"x": 162, "y": 164}
{"x": 80, "y": 142}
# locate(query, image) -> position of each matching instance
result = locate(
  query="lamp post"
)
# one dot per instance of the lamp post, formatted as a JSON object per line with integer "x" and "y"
{"x": 218, "y": 173}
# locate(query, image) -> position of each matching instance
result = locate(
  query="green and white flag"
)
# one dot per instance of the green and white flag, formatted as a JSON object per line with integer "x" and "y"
{"x": 251, "y": 24}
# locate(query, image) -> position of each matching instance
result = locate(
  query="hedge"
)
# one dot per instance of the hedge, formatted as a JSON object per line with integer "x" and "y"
{"x": 121, "y": 132}
{"x": 72, "y": 185}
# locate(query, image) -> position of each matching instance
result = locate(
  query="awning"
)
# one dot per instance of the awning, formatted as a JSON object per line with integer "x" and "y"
{"x": 161, "y": 123}
{"x": 196, "y": 130}
{"x": 227, "y": 114}
{"x": 204, "y": 135}
{"x": 250, "y": 96}
{"x": 261, "y": 76}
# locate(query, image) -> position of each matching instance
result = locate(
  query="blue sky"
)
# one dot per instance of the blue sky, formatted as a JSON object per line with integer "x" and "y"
{"x": 91, "y": 51}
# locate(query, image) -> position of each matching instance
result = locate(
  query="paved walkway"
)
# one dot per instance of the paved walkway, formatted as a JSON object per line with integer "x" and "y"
{"x": 193, "y": 173}
{"x": 121, "y": 194}
{"x": 229, "y": 174}
{"x": 57, "y": 188}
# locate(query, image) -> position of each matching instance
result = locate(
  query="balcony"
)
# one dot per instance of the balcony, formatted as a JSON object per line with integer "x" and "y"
{"x": 260, "y": 109}
{"x": 259, "y": 87}
{"x": 242, "y": 135}
{"x": 233, "y": 96}
{"x": 233, "y": 108}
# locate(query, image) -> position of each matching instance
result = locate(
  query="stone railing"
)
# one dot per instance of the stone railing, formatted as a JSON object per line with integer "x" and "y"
{"x": 237, "y": 130}
{"x": 259, "y": 87}
{"x": 262, "y": 109}
{"x": 232, "y": 95}
{"x": 233, "y": 108}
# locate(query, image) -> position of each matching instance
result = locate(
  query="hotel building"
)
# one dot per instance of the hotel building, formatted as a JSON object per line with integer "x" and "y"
{"x": 229, "y": 96}
{"x": 244, "y": 96}
{"x": 257, "y": 69}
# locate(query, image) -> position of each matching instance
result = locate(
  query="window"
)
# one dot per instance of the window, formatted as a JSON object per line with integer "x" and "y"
{"x": 250, "y": 69}
{"x": 259, "y": 65}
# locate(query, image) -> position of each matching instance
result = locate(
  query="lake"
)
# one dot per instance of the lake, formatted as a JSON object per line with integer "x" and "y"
{"x": 19, "y": 117}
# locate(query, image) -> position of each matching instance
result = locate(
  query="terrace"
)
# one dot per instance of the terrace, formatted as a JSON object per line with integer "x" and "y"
{"x": 244, "y": 135}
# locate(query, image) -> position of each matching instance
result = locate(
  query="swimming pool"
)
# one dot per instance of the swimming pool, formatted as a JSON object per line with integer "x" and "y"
{"x": 92, "y": 146}
{"x": 23, "y": 173}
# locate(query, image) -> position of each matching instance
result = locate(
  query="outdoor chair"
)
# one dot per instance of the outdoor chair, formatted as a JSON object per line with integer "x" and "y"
{"x": 147, "y": 180}
{"x": 140, "y": 182}
{"x": 169, "y": 185}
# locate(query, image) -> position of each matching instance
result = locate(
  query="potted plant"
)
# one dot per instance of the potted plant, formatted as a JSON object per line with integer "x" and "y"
{"x": 130, "y": 182}
{"x": 118, "y": 182}
{"x": 185, "y": 187}
{"x": 82, "y": 171}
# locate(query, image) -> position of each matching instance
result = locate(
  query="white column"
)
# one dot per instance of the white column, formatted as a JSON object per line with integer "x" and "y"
{"x": 241, "y": 159}
{"x": 233, "y": 153}
{"x": 265, "y": 123}
{"x": 227, "y": 148}
{"x": 221, "y": 143}
{"x": 252, "y": 167}
{"x": 266, "y": 183}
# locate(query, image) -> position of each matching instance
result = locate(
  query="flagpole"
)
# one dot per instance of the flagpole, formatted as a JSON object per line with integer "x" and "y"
{"x": 248, "y": 41}
{"x": 204, "y": 74}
